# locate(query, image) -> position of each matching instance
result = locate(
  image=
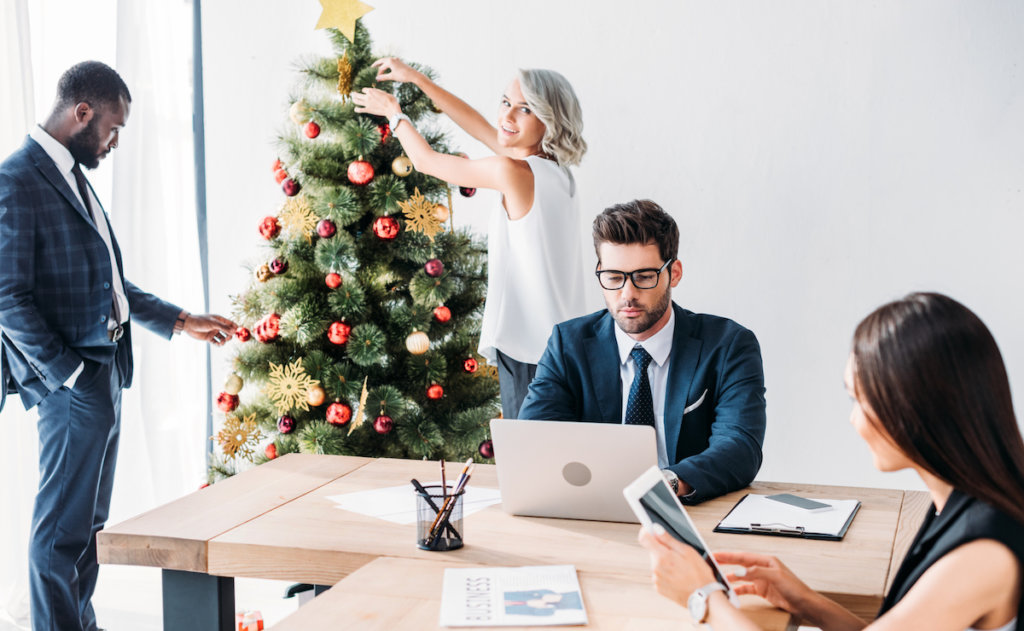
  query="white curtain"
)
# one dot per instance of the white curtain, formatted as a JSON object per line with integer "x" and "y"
{"x": 151, "y": 201}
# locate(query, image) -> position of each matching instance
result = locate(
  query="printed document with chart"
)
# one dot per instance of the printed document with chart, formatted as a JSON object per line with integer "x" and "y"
{"x": 541, "y": 595}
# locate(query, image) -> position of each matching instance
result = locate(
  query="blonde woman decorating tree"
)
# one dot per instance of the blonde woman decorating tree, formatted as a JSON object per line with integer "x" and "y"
{"x": 534, "y": 258}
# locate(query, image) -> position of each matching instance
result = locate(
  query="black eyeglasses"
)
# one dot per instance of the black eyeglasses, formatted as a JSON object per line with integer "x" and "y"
{"x": 642, "y": 278}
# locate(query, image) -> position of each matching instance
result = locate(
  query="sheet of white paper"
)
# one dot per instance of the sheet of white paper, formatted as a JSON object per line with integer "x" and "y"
{"x": 397, "y": 504}
{"x": 757, "y": 509}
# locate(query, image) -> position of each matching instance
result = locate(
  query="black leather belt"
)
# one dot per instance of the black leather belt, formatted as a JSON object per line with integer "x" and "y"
{"x": 116, "y": 333}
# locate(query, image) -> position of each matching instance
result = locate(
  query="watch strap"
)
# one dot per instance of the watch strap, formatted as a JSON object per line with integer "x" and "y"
{"x": 698, "y": 601}
{"x": 397, "y": 119}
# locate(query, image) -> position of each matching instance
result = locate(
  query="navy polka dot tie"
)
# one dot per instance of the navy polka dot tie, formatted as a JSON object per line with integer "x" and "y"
{"x": 640, "y": 405}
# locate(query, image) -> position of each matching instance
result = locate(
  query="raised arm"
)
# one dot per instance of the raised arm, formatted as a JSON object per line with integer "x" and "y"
{"x": 513, "y": 178}
{"x": 470, "y": 120}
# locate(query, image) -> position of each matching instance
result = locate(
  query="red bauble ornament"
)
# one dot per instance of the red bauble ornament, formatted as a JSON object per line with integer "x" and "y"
{"x": 277, "y": 165}
{"x": 360, "y": 172}
{"x": 279, "y": 266}
{"x": 227, "y": 402}
{"x": 385, "y": 132}
{"x": 383, "y": 424}
{"x": 268, "y": 328}
{"x": 435, "y": 392}
{"x": 470, "y": 365}
{"x": 242, "y": 334}
{"x": 290, "y": 187}
{"x": 434, "y": 268}
{"x": 269, "y": 228}
{"x": 326, "y": 229}
{"x": 467, "y": 191}
{"x": 385, "y": 228}
{"x": 286, "y": 425}
{"x": 486, "y": 448}
{"x": 280, "y": 175}
{"x": 312, "y": 130}
{"x": 338, "y": 414}
{"x": 338, "y": 332}
{"x": 442, "y": 313}
{"x": 333, "y": 280}
{"x": 271, "y": 451}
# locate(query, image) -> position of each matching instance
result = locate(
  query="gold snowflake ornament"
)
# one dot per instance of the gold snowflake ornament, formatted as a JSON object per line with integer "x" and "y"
{"x": 297, "y": 218}
{"x": 239, "y": 437}
{"x": 287, "y": 386}
{"x": 419, "y": 215}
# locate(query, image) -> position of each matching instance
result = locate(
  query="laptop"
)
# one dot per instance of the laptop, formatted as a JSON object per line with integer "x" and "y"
{"x": 570, "y": 469}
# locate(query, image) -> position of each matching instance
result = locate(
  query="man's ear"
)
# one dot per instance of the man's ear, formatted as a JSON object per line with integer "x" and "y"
{"x": 83, "y": 113}
{"x": 677, "y": 271}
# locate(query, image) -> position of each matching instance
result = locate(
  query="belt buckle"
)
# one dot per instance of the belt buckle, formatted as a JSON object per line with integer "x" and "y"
{"x": 116, "y": 333}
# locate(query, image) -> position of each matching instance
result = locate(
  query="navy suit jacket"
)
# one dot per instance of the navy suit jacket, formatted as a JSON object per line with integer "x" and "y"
{"x": 715, "y": 447}
{"x": 56, "y": 282}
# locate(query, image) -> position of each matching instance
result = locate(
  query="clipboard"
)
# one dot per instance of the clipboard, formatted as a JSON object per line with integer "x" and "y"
{"x": 755, "y": 515}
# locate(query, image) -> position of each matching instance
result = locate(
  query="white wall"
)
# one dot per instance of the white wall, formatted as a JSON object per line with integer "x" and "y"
{"x": 820, "y": 158}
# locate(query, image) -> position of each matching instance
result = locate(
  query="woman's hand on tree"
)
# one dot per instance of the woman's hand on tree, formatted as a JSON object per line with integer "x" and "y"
{"x": 378, "y": 102}
{"x": 394, "y": 69}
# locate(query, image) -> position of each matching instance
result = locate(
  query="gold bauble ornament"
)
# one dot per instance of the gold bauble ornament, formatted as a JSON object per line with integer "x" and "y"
{"x": 263, "y": 273}
{"x": 441, "y": 213}
{"x": 234, "y": 384}
{"x": 417, "y": 343}
{"x": 316, "y": 396}
{"x": 300, "y": 112}
{"x": 401, "y": 166}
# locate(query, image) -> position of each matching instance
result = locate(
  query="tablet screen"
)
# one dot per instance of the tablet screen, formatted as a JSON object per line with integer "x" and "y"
{"x": 662, "y": 508}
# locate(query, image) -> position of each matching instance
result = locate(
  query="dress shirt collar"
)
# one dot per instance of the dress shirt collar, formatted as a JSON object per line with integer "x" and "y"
{"x": 57, "y": 152}
{"x": 658, "y": 345}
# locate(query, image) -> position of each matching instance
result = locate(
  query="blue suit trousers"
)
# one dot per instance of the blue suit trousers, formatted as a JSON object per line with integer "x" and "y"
{"x": 78, "y": 435}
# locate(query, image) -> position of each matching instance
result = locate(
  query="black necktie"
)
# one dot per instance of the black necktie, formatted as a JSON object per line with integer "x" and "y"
{"x": 640, "y": 405}
{"x": 83, "y": 189}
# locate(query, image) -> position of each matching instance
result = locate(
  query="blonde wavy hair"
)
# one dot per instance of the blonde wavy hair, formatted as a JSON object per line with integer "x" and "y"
{"x": 552, "y": 99}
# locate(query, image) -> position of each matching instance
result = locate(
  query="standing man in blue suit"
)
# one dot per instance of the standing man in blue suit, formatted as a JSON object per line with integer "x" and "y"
{"x": 66, "y": 312}
{"x": 696, "y": 378}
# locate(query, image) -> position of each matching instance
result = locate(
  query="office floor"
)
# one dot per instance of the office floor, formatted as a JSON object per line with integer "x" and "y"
{"x": 128, "y": 599}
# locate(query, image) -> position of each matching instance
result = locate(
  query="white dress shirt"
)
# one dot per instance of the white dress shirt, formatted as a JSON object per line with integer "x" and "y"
{"x": 64, "y": 161}
{"x": 659, "y": 346}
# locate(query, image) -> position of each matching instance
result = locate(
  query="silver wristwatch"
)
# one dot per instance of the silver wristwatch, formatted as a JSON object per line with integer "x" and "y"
{"x": 697, "y": 603}
{"x": 672, "y": 479}
{"x": 396, "y": 120}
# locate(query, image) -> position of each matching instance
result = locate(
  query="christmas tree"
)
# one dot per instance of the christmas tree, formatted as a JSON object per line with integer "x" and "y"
{"x": 358, "y": 334}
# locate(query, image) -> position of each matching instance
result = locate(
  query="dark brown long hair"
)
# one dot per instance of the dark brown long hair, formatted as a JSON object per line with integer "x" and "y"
{"x": 931, "y": 372}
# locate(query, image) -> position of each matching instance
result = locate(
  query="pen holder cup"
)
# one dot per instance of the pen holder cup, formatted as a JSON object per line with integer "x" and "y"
{"x": 438, "y": 522}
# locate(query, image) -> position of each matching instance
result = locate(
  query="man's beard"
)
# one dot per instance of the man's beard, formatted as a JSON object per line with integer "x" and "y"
{"x": 634, "y": 326}
{"x": 85, "y": 144}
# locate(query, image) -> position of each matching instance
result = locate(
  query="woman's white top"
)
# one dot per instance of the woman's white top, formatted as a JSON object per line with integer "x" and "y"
{"x": 534, "y": 268}
{"x": 1009, "y": 626}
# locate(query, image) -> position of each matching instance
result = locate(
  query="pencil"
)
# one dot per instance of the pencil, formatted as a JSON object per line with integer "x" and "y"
{"x": 446, "y": 510}
{"x": 444, "y": 482}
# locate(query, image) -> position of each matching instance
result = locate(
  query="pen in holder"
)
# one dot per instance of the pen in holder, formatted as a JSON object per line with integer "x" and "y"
{"x": 438, "y": 518}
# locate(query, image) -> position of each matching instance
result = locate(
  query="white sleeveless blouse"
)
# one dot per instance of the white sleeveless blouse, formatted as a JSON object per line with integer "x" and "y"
{"x": 534, "y": 268}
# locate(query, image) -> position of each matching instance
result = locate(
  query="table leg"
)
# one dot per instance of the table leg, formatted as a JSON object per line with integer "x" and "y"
{"x": 198, "y": 602}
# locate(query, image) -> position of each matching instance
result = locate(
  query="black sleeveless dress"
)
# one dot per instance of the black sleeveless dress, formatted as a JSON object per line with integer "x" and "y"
{"x": 963, "y": 519}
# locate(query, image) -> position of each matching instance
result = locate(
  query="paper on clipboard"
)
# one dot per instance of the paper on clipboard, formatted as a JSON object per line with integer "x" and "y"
{"x": 757, "y": 513}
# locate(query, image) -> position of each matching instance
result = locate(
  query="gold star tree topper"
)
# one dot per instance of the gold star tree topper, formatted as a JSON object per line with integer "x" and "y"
{"x": 239, "y": 437}
{"x": 419, "y": 215}
{"x": 342, "y": 15}
{"x": 287, "y": 386}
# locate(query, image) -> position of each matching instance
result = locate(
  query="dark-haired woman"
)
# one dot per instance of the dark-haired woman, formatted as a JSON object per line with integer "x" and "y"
{"x": 930, "y": 393}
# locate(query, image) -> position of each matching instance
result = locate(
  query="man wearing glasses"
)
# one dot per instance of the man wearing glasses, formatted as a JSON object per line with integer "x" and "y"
{"x": 696, "y": 378}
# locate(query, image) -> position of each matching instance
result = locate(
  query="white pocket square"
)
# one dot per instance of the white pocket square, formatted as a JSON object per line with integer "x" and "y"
{"x": 695, "y": 404}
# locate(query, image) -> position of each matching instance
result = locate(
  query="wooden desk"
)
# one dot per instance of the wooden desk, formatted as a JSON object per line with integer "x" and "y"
{"x": 275, "y": 521}
{"x": 405, "y": 595}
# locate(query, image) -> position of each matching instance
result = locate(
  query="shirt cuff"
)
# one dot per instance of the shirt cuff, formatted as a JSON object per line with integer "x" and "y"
{"x": 70, "y": 383}
{"x": 179, "y": 324}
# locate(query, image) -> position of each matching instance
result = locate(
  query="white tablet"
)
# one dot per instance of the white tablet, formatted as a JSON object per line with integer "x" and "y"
{"x": 653, "y": 501}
